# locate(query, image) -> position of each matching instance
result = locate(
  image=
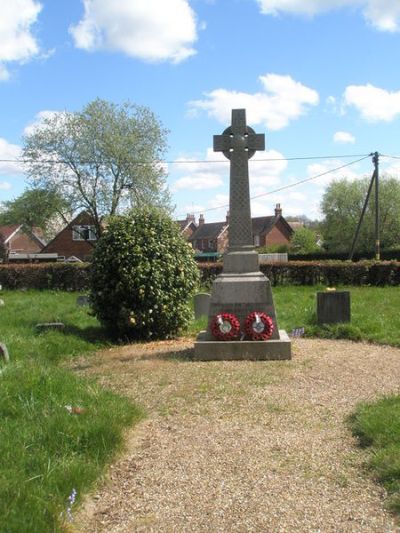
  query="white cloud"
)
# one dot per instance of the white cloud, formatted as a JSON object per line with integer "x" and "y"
{"x": 198, "y": 181}
{"x": 38, "y": 120}
{"x": 8, "y": 154}
{"x": 330, "y": 174}
{"x": 151, "y": 30}
{"x": 382, "y": 14}
{"x": 17, "y": 43}
{"x": 200, "y": 174}
{"x": 373, "y": 103}
{"x": 5, "y": 186}
{"x": 283, "y": 99}
{"x": 344, "y": 137}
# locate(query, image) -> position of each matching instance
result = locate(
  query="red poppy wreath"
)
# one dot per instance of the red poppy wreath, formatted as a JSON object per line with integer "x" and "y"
{"x": 259, "y": 326}
{"x": 225, "y": 327}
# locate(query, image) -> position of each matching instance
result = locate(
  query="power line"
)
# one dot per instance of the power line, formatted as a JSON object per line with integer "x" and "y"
{"x": 390, "y": 156}
{"x": 202, "y": 161}
{"x": 288, "y": 186}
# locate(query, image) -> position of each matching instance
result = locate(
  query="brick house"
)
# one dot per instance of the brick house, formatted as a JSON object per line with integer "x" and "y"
{"x": 77, "y": 239}
{"x": 188, "y": 226}
{"x": 271, "y": 230}
{"x": 214, "y": 236}
{"x": 211, "y": 237}
{"x": 19, "y": 239}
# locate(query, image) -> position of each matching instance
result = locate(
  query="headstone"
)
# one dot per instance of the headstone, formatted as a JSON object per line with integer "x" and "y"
{"x": 201, "y": 304}
{"x": 50, "y": 325}
{"x": 82, "y": 301}
{"x": 4, "y": 353}
{"x": 333, "y": 307}
{"x": 241, "y": 289}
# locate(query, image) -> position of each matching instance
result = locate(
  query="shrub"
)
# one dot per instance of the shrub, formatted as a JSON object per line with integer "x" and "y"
{"x": 143, "y": 276}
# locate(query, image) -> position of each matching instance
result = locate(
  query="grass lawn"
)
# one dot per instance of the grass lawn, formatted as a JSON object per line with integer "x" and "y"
{"x": 374, "y": 315}
{"x": 377, "y": 426}
{"x": 46, "y": 451}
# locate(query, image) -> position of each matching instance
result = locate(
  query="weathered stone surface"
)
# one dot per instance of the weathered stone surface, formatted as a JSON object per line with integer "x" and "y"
{"x": 241, "y": 289}
{"x": 82, "y": 300}
{"x": 49, "y": 325}
{"x": 333, "y": 307}
{"x": 4, "y": 353}
{"x": 278, "y": 349}
{"x": 201, "y": 304}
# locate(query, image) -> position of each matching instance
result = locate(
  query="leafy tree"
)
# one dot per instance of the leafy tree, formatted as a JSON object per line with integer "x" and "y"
{"x": 103, "y": 159}
{"x": 304, "y": 241}
{"x": 40, "y": 208}
{"x": 342, "y": 204}
{"x": 143, "y": 275}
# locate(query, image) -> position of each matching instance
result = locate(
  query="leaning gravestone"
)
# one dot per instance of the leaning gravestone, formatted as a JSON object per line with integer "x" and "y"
{"x": 4, "y": 353}
{"x": 242, "y": 319}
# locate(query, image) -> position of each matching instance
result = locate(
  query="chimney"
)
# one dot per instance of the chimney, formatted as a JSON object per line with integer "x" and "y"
{"x": 190, "y": 218}
{"x": 201, "y": 220}
{"x": 278, "y": 210}
{"x": 227, "y": 217}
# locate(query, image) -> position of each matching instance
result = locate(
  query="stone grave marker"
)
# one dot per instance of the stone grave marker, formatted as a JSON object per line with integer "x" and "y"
{"x": 45, "y": 326}
{"x": 201, "y": 304}
{"x": 82, "y": 300}
{"x": 241, "y": 297}
{"x": 333, "y": 307}
{"x": 4, "y": 353}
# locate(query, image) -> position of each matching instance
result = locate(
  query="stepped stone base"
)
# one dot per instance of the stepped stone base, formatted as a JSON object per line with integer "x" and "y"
{"x": 271, "y": 350}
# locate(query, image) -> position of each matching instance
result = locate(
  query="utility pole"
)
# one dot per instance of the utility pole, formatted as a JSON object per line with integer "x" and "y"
{"x": 375, "y": 160}
{"x": 374, "y": 179}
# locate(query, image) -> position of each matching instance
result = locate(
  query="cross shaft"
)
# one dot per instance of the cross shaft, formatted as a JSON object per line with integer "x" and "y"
{"x": 238, "y": 143}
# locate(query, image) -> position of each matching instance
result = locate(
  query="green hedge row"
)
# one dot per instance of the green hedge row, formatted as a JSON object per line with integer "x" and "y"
{"x": 59, "y": 276}
{"x": 75, "y": 277}
{"x": 322, "y": 273}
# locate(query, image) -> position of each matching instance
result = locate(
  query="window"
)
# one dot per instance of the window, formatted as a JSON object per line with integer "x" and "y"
{"x": 256, "y": 240}
{"x": 83, "y": 233}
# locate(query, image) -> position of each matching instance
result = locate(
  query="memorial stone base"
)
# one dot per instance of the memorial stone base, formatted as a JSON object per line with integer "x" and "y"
{"x": 241, "y": 294}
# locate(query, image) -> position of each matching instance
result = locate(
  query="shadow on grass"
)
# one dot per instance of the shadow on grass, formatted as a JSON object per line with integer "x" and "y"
{"x": 92, "y": 334}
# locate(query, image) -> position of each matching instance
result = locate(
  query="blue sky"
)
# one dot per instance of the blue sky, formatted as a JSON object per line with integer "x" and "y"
{"x": 318, "y": 81}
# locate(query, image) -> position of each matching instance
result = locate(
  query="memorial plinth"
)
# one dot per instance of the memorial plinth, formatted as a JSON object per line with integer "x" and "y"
{"x": 242, "y": 288}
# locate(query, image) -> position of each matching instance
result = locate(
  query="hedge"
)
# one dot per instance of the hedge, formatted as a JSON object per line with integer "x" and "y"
{"x": 75, "y": 277}
{"x": 59, "y": 276}
{"x": 385, "y": 255}
{"x": 330, "y": 273}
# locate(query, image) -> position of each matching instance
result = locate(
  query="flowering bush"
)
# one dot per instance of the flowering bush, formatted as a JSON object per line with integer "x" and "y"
{"x": 259, "y": 326}
{"x": 225, "y": 327}
{"x": 143, "y": 276}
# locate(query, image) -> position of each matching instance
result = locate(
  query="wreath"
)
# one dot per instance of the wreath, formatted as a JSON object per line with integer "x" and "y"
{"x": 259, "y": 326}
{"x": 225, "y": 327}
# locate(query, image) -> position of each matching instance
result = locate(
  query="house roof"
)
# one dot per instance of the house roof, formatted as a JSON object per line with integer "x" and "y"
{"x": 209, "y": 230}
{"x": 261, "y": 225}
{"x": 9, "y": 231}
{"x": 183, "y": 224}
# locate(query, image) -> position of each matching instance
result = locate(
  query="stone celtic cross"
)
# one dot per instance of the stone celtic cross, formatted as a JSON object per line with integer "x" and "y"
{"x": 239, "y": 143}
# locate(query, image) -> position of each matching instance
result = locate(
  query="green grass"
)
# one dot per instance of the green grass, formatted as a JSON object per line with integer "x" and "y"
{"x": 377, "y": 426}
{"x": 374, "y": 315}
{"x": 46, "y": 451}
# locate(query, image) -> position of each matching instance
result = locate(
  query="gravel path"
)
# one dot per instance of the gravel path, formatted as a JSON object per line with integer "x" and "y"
{"x": 242, "y": 446}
